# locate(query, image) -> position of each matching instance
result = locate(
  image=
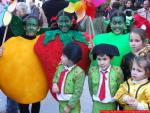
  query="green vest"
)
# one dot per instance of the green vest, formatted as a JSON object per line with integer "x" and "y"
{"x": 115, "y": 78}
{"x": 73, "y": 83}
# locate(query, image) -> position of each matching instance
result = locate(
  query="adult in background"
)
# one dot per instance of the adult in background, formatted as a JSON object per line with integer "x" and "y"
{"x": 52, "y": 7}
{"x": 145, "y": 11}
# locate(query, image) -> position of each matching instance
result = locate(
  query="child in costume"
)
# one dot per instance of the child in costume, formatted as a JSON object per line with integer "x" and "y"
{"x": 50, "y": 45}
{"x": 138, "y": 39}
{"x": 134, "y": 94}
{"x": 116, "y": 37}
{"x": 69, "y": 80}
{"x": 20, "y": 61}
{"x": 104, "y": 79}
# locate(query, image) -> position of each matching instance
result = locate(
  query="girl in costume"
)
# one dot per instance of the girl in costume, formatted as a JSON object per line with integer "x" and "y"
{"x": 104, "y": 79}
{"x": 116, "y": 37}
{"x": 138, "y": 40}
{"x": 134, "y": 94}
{"x": 21, "y": 63}
{"x": 50, "y": 45}
{"x": 69, "y": 79}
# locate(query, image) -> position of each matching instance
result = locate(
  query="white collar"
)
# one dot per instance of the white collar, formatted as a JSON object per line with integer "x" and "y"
{"x": 69, "y": 68}
{"x": 140, "y": 82}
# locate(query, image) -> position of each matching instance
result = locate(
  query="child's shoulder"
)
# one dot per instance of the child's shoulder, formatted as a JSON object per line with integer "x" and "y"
{"x": 93, "y": 68}
{"x": 77, "y": 70}
{"x": 116, "y": 68}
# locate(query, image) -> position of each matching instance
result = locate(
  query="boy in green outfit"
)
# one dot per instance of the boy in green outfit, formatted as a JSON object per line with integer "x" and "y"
{"x": 104, "y": 79}
{"x": 69, "y": 80}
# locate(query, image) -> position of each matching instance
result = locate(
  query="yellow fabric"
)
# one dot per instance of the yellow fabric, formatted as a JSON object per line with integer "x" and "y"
{"x": 21, "y": 75}
{"x": 143, "y": 94}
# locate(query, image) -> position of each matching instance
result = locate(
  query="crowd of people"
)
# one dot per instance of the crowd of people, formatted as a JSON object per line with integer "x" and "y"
{"x": 47, "y": 49}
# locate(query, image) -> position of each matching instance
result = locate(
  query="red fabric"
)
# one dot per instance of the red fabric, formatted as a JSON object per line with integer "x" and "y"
{"x": 102, "y": 93}
{"x": 49, "y": 56}
{"x": 90, "y": 10}
{"x": 61, "y": 79}
{"x": 139, "y": 21}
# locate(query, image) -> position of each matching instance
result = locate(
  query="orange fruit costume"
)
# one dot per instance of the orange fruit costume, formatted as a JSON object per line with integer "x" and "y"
{"x": 21, "y": 75}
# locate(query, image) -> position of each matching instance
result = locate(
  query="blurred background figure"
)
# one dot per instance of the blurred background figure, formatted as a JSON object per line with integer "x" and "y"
{"x": 52, "y": 7}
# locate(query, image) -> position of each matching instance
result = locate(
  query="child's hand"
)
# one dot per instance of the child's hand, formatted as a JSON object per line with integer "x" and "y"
{"x": 1, "y": 50}
{"x": 67, "y": 109}
{"x": 90, "y": 45}
{"x": 132, "y": 102}
{"x": 55, "y": 88}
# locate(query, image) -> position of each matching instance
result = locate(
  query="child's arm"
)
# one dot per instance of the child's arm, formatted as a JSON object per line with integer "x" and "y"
{"x": 90, "y": 82}
{"x": 120, "y": 76}
{"x": 122, "y": 94}
{"x": 78, "y": 87}
{"x": 55, "y": 88}
{"x": 1, "y": 50}
{"x": 145, "y": 103}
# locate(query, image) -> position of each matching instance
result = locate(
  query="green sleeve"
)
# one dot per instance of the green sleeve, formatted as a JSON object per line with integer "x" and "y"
{"x": 78, "y": 87}
{"x": 55, "y": 79}
{"x": 90, "y": 83}
{"x": 120, "y": 79}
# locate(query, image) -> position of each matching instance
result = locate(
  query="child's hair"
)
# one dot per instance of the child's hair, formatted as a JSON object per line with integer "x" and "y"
{"x": 128, "y": 0}
{"x": 102, "y": 54}
{"x": 73, "y": 52}
{"x": 72, "y": 17}
{"x": 143, "y": 61}
{"x": 116, "y": 13}
{"x": 141, "y": 33}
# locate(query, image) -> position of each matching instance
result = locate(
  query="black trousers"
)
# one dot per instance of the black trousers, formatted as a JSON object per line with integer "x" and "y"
{"x": 35, "y": 108}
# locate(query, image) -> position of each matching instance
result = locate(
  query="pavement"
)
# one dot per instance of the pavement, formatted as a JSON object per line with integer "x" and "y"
{"x": 50, "y": 105}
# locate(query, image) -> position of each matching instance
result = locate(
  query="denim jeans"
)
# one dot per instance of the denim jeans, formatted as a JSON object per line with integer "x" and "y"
{"x": 12, "y": 106}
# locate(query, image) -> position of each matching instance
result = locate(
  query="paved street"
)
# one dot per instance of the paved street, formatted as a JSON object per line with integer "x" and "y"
{"x": 49, "y": 105}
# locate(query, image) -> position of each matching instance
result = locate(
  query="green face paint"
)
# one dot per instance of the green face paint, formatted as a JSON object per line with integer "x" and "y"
{"x": 117, "y": 25}
{"x": 64, "y": 23}
{"x": 31, "y": 27}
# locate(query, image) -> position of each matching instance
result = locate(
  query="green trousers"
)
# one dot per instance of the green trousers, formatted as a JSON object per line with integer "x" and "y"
{"x": 98, "y": 106}
{"x": 63, "y": 104}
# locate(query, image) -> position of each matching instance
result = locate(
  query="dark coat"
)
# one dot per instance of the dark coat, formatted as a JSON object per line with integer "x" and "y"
{"x": 52, "y": 7}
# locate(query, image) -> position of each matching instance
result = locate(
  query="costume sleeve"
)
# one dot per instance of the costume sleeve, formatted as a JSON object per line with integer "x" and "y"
{"x": 120, "y": 93}
{"x": 120, "y": 77}
{"x": 78, "y": 87}
{"x": 55, "y": 79}
{"x": 90, "y": 83}
{"x": 146, "y": 102}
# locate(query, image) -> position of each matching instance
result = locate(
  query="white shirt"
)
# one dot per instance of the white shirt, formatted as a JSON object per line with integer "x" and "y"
{"x": 62, "y": 96}
{"x": 142, "y": 12}
{"x": 108, "y": 98}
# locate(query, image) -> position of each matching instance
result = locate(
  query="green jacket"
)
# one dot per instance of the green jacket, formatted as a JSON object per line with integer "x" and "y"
{"x": 73, "y": 84}
{"x": 115, "y": 78}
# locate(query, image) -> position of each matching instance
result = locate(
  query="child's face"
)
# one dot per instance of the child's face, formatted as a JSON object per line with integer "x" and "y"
{"x": 31, "y": 27}
{"x": 137, "y": 73}
{"x": 64, "y": 60}
{"x": 117, "y": 25}
{"x": 64, "y": 23}
{"x": 128, "y": 4}
{"x": 136, "y": 42}
{"x": 103, "y": 61}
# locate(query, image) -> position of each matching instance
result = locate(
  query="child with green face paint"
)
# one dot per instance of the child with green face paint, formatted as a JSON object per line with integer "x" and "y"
{"x": 49, "y": 46}
{"x": 24, "y": 67}
{"x": 116, "y": 37}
